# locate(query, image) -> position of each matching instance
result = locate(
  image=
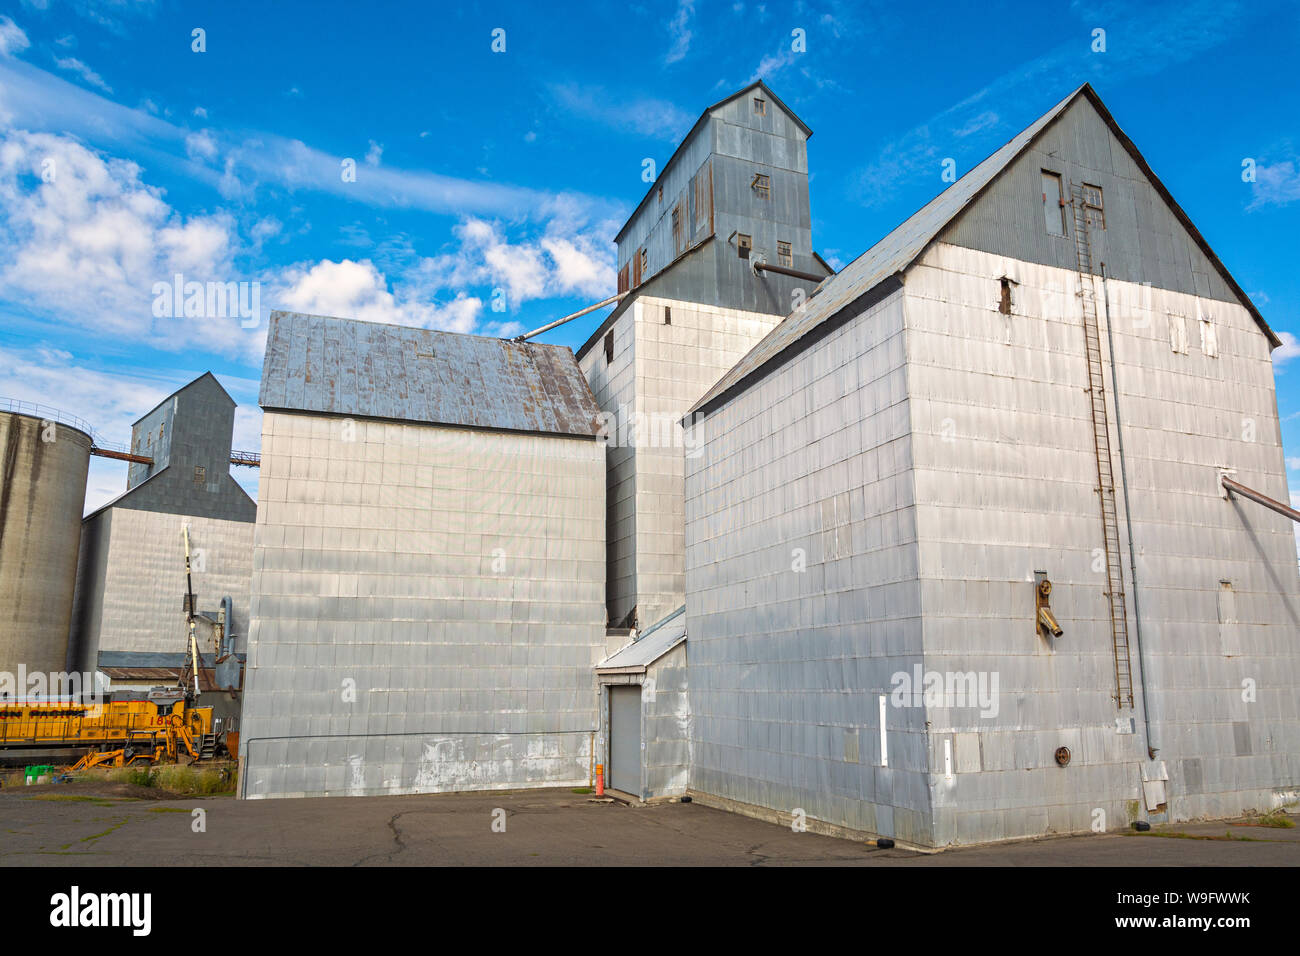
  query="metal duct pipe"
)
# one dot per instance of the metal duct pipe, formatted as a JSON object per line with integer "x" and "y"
{"x": 1152, "y": 749}
{"x": 569, "y": 318}
{"x": 783, "y": 270}
{"x": 1234, "y": 487}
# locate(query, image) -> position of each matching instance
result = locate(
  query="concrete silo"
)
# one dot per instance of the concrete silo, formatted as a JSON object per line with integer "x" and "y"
{"x": 43, "y": 467}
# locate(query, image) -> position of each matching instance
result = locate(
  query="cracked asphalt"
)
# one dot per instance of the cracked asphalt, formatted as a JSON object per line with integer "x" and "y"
{"x": 71, "y": 826}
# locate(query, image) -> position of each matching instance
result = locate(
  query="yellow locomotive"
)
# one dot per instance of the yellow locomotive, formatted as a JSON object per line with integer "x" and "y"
{"x": 156, "y": 726}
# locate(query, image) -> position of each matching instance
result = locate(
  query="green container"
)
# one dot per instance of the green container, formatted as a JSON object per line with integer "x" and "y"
{"x": 35, "y": 773}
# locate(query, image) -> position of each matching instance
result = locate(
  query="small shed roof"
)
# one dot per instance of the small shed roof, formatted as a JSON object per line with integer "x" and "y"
{"x": 653, "y": 644}
{"x": 370, "y": 370}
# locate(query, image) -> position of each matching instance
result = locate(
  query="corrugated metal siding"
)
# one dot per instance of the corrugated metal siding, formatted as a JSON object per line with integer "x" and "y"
{"x": 1143, "y": 241}
{"x": 1178, "y": 253}
{"x": 889, "y": 256}
{"x": 345, "y": 367}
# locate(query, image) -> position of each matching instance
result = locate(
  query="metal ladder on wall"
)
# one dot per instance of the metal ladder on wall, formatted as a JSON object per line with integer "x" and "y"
{"x": 1101, "y": 442}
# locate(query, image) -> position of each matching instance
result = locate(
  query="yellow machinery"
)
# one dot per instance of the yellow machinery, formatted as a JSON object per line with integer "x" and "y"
{"x": 131, "y": 726}
{"x": 160, "y": 726}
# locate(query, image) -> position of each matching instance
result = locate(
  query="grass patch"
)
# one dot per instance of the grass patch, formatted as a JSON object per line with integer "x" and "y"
{"x": 583, "y": 790}
{"x": 95, "y": 836}
{"x": 1176, "y": 835}
{"x": 1277, "y": 819}
{"x": 66, "y": 797}
{"x": 169, "y": 809}
{"x": 175, "y": 778}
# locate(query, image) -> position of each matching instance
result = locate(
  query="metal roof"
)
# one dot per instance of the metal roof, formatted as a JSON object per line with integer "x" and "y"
{"x": 653, "y": 644}
{"x": 370, "y": 370}
{"x": 896, "y": 252}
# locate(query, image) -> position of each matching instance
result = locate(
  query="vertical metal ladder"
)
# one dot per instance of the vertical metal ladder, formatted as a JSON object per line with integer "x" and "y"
{"x": 1101, "y": 441}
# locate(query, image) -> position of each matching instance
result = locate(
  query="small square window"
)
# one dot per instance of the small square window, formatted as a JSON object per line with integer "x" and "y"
{"x": 668, "y": 315}
{"x": 661, "y": 194}
{"x": 762, "y": 185}
{"x": 743, "y": 244}
{"x": 200, "y": 475}
{"x": 609, "y": 346}
{"x": 760, "y": 106}
{"x": 783, "y": 255}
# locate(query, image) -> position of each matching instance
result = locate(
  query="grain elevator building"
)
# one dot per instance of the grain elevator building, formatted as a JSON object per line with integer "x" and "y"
{"x": 717, "y": 251}
{"x": 129, "y": 608}
{"x": 961, "y": 564}
{"x": 429, "y": 564}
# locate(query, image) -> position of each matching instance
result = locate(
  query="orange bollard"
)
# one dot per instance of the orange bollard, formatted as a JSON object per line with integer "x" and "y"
{"x": 600, "y": 780}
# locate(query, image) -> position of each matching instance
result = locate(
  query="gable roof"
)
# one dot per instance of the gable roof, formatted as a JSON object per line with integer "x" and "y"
{"x": 699, "y": 123}
{"x": 370, "y": 370}
{"x": 901, "y": 248}
{"x": 221, "y": 388}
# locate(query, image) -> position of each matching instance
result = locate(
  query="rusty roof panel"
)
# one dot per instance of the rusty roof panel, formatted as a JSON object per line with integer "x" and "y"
{"x": 370, "y": 370}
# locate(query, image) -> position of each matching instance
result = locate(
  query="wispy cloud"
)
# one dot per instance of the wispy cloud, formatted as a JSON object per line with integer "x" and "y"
{"x": 35, "y": 99}
{"x": 643, "y": 115}
{"x": 72, "y": 65}
{"x": 1276, "y": 184}
{"x": 679, "y": 31}
{"x": 1156, "y": 37}
{"x": 12, "y": 38}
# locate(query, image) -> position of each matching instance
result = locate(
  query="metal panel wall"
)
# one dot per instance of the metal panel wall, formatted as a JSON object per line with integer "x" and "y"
{"x": 802, "y": 591}
{"x": 612, "y": 386}
{"x": 131, "y": 581}
{"x": 1143, "y": 241}
{"x": 668, "y": 366}
{"x": 1005, "y": 484}
{"x": 428, "y": 603}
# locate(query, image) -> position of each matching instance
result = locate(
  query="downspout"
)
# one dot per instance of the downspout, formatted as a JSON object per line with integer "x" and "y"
{"x": 1152, "y": 749}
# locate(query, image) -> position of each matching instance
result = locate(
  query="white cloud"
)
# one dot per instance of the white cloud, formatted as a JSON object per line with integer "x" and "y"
{"x": 679, "y": 30}
{"x": 1293, "y": 464}
{"x": 201, "y": 145}
{"x": 374, "y": 153}
{"x": 200, "y": 112}
{"x": 12, "y": 38}
{"x": 358, "y": 290}
{"x": 1288, "y": 350}
{"x": 73, "y": 65}
{"x": 1275, "y": 184}
{"x": 87, "y": 242}
{"x": 570, "y": 258}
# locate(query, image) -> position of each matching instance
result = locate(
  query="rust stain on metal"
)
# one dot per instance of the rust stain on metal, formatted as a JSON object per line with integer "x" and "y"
{"x": 346, "y": 367}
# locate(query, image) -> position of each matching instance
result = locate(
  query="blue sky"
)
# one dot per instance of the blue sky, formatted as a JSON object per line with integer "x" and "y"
{"x": 482, "y": 178}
